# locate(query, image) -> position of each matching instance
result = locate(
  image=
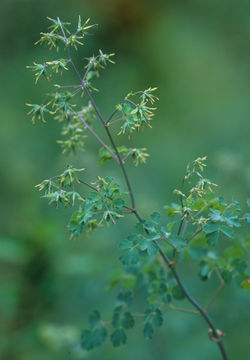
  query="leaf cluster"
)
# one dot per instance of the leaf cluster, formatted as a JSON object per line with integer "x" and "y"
{"x": 136, "y": 113}
{"x": 139, "y": 156}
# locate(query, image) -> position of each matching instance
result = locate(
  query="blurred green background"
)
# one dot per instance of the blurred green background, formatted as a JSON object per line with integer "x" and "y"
{"x": 198, "y": 55}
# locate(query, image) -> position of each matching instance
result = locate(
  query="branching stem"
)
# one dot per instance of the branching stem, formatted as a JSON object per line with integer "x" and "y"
{"x": 188, "y": 311}
{"x": 97, "y": 137}
{"x": 222, "y": 283}
{"x": 88, "y": 185}
{"x": 168, "y": 262}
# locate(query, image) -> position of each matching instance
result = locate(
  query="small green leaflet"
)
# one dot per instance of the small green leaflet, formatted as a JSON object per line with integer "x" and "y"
{"x": 177, "y": 242}
{"x": 93, "y": 338}
{"x": 197, "y": 252}
{"x": 245, "y": 284}
{"x": 211, "y": 227}
{"x": 155, "y": 217}
{"x": 153, "y": 316}
{"x": 212, "y": 238}
{"x": 130, "y": 257}
{"x": 118, "y": 337}
{"x": 178, "y": 293}
{"x": 128, "y": 321}
{"x": 125, "y": 297}
{"x": 205, "y": 271}
{"x": 148, "y": 331}
{"x": 233, "y": 252}
{"x": 149, "y": 246}
{"x": 227, "y": 231}
{"x": 247, "y": 217}
{"x": 94, "y": 318}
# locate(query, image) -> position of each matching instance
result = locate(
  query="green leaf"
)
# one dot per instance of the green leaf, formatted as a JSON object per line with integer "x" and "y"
{"x": 167, "y": 299}
{"x": 155, "y": 217}
{"x": 247, "y": 217}
{"x": 94, "y": 318}
{"x": 231, "y": 219}
{"x": 125, "y": 297}
{"x": 104, "y": 156}
{"x": 172, "y": 210}
{"x": 215, "y": 215}
{"x": 127, "y": 243}
{"x": 139, "y": 156}
{"x": 170, "y": 226}
{"x": 248, "y": 202}
{"x": 41, "y": 70}
{"x": 149, "y": 226}
{"x": 177, "y": 242}
{"x": 148, "y": 331}
{"x": 93, "y": 338}
{"x": 129, "y": 281}
{"x": 211, "y": 227}
{"x": 130, "y": 257}
{"x": 205, "y": 271}
{"x": 197, "y": 252}
{"x": 128, "y": 321}
{"x": 118, "y": 337}
{"x": 115, "y": 277}
{"x": 212, "y": 238}
{"x": 178, "y": 293}
{"x": 226, "y": 276}
{"x": 247, "y": 243}
{"x": 116, "y": 316}
{"x": 222, "y": 201}
{"x": 245, "y": 284}
{"x": 227, "y": 231}
{"x": 239, "y": 265}
{"x": 37, "y": 112}
{"x": 158, "y": 318}
{"x": 233, "y": 252}
{"x": 149, "y": 246}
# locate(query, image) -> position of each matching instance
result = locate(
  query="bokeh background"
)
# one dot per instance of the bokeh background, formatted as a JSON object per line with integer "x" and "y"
{"x": 198, "y": 55}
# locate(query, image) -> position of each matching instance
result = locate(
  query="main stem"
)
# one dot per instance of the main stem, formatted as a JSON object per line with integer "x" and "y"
{"x": 114, "y": 147}
{"x": 165, "y": 258}
{"x": 131, "y": 194}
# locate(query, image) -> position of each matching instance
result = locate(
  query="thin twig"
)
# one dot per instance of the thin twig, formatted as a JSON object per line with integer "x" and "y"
{"x": 182, "y": 204}
{"x": 86, "y": 72}
{"x": 128, "y": 154}
{"x": 194, "y": 236}
{"x": 112, "y": 114}
{"x": 188, "y": 311}
{"x": 201, "y": 210}
{"x": 184, "y": 228}
{"x": 222, "y": 283}
{"x": 97, "y": 137}
{"x": 69, "y": 86}
{"x": 87, "y": 184}
{"x": 130, "y": 101}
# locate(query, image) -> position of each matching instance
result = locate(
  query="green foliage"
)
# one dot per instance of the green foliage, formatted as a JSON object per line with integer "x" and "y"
{"x": 139, "y": 156}
{"x": 37, "y": 112}
{"x": 136, "y": 114}
{"x": 43, "y": 69}
{"x": 60, "y": 34}
{"x": 104, "y": 204}
{"x": 97, "y": 333}
{"x": 202, "y": 227}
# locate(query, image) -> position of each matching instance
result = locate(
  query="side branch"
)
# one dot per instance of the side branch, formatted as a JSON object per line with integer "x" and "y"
{"x": 222, "y": 283}
{"x": 131, "y": 194}
{"x": 89, "y": 128}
